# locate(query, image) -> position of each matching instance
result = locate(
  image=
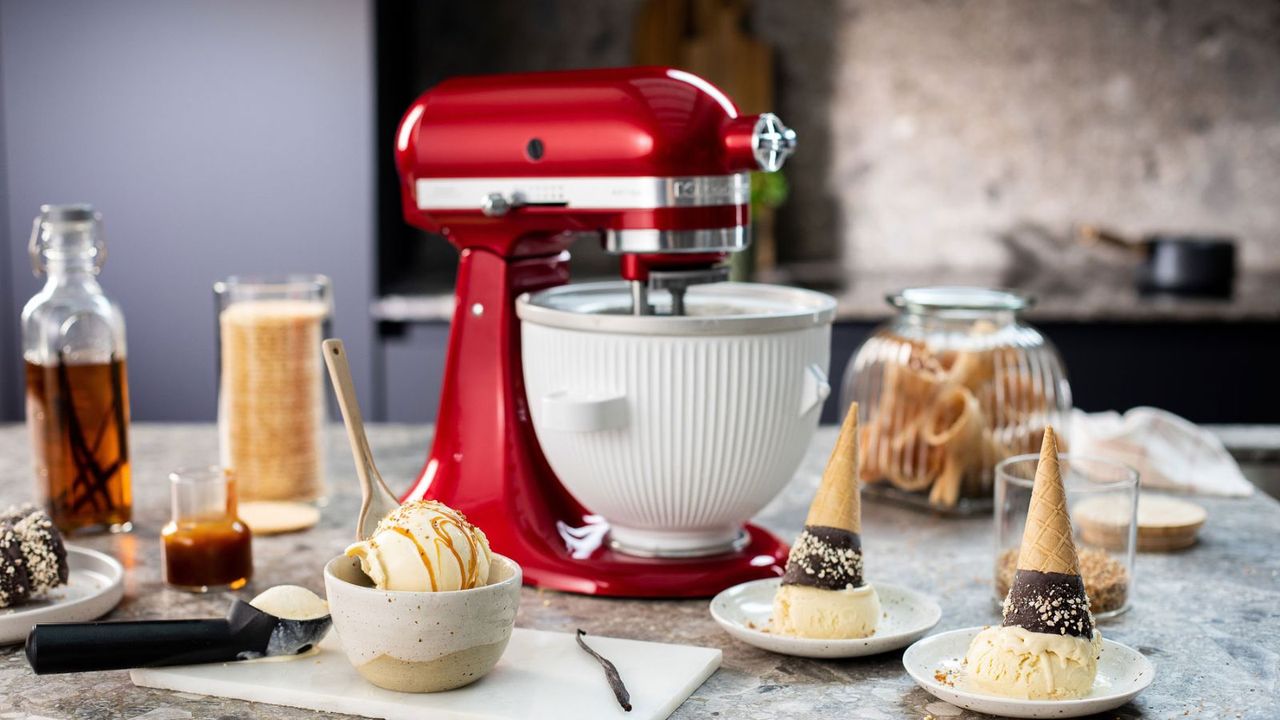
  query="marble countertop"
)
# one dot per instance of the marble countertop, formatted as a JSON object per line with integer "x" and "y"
{"x": 1209, "y": 617}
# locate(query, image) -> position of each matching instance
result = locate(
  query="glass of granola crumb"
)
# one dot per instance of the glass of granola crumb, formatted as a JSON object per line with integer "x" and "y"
{"x": 1102, "y": 498}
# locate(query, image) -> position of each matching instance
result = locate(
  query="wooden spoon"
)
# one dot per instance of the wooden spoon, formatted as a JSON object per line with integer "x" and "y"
{"x": 376, "y": 499}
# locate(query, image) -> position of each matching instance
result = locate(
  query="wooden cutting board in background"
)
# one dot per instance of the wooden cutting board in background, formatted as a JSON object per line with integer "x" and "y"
{"x": 708, "y": 38}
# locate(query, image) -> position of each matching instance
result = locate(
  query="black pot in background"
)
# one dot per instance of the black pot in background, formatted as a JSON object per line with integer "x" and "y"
{"x": 1187, "y": 265}
{"x": 1183, "y": 265}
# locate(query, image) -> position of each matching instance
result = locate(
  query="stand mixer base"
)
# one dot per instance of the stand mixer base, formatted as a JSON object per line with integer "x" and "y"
{"x": 609, "y": 572}
{"x": 645, "y": 543}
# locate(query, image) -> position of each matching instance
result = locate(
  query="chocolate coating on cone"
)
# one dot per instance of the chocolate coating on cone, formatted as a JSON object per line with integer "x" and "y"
{"x": 825, "y": 557}
{"x": 1048, "y": 602}
{"x": 837, "y": 503}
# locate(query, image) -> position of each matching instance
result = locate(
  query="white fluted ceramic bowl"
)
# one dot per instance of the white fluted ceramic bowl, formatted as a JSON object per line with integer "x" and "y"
{"x": 676, "y": 430}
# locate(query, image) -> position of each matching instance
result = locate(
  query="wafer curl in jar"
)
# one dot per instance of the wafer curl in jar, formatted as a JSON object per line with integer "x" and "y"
{"x": 951, "y": 386}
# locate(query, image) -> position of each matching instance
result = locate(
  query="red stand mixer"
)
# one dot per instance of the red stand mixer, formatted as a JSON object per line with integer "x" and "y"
{"x": 654, "y": 163}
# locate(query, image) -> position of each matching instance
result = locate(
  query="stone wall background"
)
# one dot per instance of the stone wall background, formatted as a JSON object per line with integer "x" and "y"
{"x": 964, "y": 131}
{"x": 967, "y": 137}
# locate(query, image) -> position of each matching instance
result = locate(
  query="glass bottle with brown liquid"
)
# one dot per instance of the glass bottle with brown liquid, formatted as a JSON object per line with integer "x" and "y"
{"x": 77, "y": 392}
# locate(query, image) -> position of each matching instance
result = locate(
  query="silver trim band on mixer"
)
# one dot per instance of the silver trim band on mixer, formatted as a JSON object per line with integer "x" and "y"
{"x": 722, "y": 239}
{"x": 584, "y": 193}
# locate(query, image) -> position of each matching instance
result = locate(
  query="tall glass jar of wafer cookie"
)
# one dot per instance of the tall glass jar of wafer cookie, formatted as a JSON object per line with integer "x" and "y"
{"x": 271, "y": 409}
{"x": 952, "y": 385}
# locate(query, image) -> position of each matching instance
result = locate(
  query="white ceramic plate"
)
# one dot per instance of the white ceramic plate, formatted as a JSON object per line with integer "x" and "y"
{"x": 1122, "y": 673}
{"x": 744, "y": 611}
{"x": 94, "y": 587}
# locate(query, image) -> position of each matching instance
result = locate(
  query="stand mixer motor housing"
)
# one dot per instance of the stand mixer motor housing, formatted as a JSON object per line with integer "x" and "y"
{"x": 655, "y": 163}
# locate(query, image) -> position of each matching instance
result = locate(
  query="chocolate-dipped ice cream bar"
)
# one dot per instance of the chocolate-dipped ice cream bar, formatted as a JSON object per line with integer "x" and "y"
{"x": 33, "y": 559}
{"x": 823, "y": 593}
{"x": 1047, "y": 647}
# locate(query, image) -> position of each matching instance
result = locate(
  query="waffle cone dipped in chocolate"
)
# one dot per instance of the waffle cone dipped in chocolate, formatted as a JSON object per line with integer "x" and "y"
{"x": 1047, "y": 648}
{"x": 823, "y": 594}
{"x": 1047, "y": 594}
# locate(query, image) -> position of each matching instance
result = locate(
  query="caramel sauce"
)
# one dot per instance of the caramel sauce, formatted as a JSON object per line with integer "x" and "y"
{"x": 422, "y": 553}
{"x": 206, "y": 555}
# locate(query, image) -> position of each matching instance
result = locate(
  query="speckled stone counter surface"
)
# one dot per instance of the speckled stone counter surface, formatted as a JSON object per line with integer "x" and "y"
{"x": 1209, "y": 618}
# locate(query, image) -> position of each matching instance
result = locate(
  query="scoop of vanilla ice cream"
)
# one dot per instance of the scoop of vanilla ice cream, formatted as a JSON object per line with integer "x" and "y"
{"x": 291, "y": 602}
{"x": 1015, "y": 662}
{"x": 425, "y": 546}
{"x": 812, "y": 612}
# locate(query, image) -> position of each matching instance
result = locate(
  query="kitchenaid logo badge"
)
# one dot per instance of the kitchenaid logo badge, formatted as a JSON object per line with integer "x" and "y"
{"x": 708, "y": 190}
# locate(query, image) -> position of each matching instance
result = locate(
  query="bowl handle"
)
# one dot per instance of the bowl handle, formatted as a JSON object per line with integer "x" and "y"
{"x": 816, "y": 389}
{"x": 568, "y": 411}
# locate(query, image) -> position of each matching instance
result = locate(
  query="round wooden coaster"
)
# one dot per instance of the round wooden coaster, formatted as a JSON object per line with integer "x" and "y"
{"x": 1167, "y": 523}
{"x": 1164, "y": 523}
{"x": 271, "y": 517}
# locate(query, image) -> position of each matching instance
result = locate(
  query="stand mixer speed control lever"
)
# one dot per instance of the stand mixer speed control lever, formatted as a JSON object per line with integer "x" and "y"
{"x": 497, "y": 204}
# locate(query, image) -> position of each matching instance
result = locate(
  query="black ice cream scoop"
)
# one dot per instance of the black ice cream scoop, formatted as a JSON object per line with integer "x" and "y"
{"x": 245, "y": 633}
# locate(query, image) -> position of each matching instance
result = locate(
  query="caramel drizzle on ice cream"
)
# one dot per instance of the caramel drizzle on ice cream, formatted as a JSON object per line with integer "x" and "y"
{"x": 422, "y": 553}
{"x": 444, "y": 538}
{"x": 445, "y": 525}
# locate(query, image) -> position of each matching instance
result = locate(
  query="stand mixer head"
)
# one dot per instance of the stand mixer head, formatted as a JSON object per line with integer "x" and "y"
{"x": 654, "y": 164}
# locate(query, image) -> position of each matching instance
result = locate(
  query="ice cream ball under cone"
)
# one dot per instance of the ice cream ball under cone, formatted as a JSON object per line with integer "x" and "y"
{"x": 1014, "y": 662}
{"x": 819, "y": 613}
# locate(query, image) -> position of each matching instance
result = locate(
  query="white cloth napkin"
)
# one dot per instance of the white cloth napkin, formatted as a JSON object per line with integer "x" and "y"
{"x": 1166, "y": 450}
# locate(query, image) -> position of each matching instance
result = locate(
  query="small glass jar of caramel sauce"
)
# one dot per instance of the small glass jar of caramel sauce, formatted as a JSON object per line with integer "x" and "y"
{"x": 205, "y": 545}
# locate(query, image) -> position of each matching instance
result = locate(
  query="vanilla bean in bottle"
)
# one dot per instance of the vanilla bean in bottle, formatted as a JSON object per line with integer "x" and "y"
{"x": 77, "y": 389}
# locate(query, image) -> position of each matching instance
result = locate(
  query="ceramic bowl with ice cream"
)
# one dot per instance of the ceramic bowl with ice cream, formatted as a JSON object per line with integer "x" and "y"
{"x": 423, "y": 605}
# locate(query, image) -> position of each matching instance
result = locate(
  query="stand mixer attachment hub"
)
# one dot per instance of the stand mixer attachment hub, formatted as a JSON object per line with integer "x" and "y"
{"x": 674, "y": 273}
{"x": 677, "y": 281}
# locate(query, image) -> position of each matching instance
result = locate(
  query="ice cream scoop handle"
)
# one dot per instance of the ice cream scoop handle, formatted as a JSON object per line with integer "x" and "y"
{"x": 84, "y": 647}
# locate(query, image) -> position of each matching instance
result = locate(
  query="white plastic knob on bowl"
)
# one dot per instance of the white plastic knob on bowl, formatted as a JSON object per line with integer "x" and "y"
{"x": 676, "y": 430}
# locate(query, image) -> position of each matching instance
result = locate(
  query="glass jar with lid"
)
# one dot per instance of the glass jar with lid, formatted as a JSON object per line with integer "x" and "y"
{"x": 77, "y": 397}
{"x": 951, "y": 386}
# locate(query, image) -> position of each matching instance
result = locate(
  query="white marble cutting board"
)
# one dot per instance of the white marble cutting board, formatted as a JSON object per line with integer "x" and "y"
{"x": 541, "y": 675}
